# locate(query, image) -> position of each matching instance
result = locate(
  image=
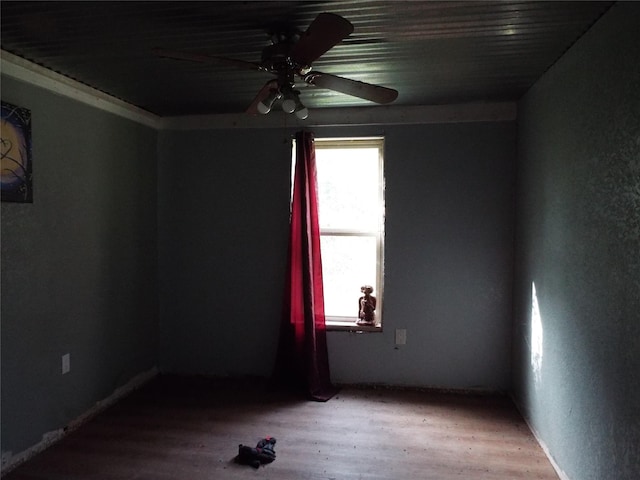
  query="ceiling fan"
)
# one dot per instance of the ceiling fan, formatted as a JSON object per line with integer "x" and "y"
{"x": 289, "y": 57}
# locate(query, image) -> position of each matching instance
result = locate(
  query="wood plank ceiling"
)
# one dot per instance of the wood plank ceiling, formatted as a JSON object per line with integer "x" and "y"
{"x": 432, "y": 52}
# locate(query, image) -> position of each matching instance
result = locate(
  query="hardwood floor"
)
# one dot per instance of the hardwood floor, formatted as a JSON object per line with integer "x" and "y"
{"x": 176, "y": 428}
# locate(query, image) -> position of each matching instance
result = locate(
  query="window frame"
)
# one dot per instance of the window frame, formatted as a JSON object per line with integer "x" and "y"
{"x": 349, "y": 323}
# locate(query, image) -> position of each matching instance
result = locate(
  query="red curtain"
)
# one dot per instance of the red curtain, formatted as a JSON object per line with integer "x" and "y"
{"x": 303, "y": 361}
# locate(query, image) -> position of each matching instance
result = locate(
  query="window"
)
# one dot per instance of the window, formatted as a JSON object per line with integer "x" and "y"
{"x": 351, "y": 213}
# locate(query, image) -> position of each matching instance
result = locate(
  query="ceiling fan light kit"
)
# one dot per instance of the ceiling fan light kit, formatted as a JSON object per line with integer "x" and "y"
{"x": 291, "y": 55}
{"x": 264, "y": 106}
{"x": 303, "y": 113}
{"x": 288, "y": 105}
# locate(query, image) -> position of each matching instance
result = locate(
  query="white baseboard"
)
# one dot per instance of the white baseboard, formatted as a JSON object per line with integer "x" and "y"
{"x": 11, "y": 461}
{"x": 561, "y": 474}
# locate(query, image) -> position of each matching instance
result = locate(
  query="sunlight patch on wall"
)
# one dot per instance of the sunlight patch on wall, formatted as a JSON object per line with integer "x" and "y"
{"x": 536, "y": 336}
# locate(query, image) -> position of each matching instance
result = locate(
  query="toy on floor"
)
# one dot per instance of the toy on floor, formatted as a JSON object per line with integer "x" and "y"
{"x": 261, "y": 454}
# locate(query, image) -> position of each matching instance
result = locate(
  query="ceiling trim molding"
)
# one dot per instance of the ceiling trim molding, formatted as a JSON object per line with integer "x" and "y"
{"x": 29, "y": 72}
{"x": 352, "y": 116}
{"x": 34, "y": 74}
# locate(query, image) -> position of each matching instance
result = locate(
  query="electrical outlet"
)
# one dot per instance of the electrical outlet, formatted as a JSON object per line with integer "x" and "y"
{"x": 401, "y": 336}
{"x": 66, "y": 363}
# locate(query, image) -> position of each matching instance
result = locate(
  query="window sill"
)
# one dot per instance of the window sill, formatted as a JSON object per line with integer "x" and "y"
{"x": 352, "y": 327}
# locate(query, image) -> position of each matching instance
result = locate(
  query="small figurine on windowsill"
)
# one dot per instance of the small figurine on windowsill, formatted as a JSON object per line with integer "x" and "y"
{"x": 367, "y": 307}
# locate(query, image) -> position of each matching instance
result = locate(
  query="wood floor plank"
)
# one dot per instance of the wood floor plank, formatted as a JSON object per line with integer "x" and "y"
{"x": 177, "y": 428}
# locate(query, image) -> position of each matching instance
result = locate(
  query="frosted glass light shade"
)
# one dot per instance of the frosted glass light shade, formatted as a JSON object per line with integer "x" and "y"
{"x": 289, "y": 105}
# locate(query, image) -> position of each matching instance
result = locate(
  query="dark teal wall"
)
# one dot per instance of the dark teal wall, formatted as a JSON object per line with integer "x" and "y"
{"x": 223, "y": 215}
{"x": 448, "y": 261}
{"x": 578, "y": 241}
{"x": 78, "y": 265}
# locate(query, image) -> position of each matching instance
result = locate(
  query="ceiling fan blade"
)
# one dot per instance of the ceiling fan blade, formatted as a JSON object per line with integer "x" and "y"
{"x": 262, "y": 94}
{"x": 325, "y": 31}
{"x": 204, "y": 58}
{"x": 355, "y": 88}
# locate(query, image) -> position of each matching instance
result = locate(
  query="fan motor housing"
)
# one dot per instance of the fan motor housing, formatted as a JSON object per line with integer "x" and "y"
{"x": 276, "y": 58}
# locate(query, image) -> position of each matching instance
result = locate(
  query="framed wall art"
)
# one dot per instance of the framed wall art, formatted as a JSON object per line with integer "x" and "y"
{"x": 15, "y": 154}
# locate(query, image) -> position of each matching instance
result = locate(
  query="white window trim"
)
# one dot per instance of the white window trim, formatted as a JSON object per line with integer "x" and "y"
{"x": 349, "y": 323}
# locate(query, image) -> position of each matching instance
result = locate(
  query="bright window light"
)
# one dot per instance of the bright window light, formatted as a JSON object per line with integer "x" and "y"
{"x": 351, "y": 214}
{"x": 348, "y": 262}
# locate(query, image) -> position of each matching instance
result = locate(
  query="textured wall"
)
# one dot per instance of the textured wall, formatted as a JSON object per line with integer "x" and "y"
{"x": 448, "y": 261}
{"x": 577, "y": 340}
{"x": 223, "y": 230}
{"x": 78, "y": 265}
{"x": 223, "y": 213}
